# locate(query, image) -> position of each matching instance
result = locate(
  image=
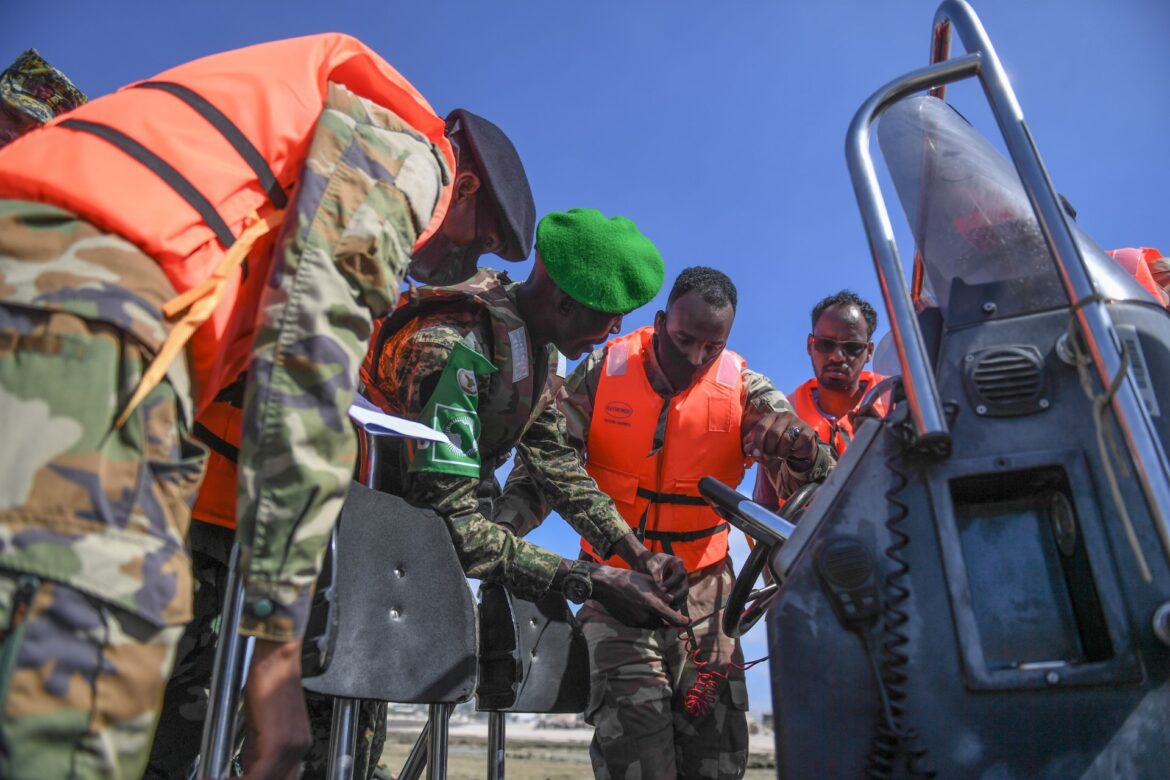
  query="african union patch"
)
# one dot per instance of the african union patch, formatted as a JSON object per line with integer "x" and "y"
{"x": 461, "y": 456}
{"x": 452, "y": 410}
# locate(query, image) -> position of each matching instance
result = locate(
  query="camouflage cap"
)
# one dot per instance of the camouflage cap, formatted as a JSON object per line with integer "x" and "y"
{"x": 605, "y": 263}
{"x": 34, "y": 88}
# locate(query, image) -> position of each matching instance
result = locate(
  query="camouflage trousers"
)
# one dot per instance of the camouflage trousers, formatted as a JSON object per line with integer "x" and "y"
{"x": 371, "y": 737}
{"x": 180, "y": 728}
{"x": 177, "y": 742}
{"x": 95, "y": 517}
{"x": 81, "y": 683}
{"x": 640, "y": 681}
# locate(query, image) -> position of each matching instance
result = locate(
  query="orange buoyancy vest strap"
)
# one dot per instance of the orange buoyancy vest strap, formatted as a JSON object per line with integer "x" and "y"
{"x": 197, "y": 305}
{"x": 656, "y": 489}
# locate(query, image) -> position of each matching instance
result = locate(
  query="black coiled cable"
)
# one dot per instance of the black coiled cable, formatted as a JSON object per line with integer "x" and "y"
{"x": 891, "y": 736}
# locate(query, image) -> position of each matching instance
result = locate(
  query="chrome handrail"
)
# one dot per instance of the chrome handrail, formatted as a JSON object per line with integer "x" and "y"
{"x": 926, "y": 412}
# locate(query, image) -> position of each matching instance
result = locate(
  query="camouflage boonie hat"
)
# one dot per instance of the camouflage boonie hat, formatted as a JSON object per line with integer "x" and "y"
{"x": 33, "y": 91}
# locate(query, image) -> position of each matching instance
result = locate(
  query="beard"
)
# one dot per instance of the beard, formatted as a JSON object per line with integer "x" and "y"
{"x": 674, "y": 361}
{"x": 441, "y": 262}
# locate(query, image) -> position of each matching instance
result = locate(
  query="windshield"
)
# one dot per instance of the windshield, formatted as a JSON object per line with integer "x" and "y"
{"x": 983, "y": 254}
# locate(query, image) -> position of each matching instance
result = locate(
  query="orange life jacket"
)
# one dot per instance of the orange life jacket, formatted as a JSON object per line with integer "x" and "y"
{"x": 657, "y": 492}
{"x": 231, "y": 131}
{"x": 219, "y": 427}
{"x": 836, "y": 433}
{"x": 1141, "y": 262}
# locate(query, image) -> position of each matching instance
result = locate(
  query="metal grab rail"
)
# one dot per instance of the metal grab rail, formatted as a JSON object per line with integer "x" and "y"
{"x": 231, "y": 653}
{"x": 339, "y": 763}
{"x": 926, "y": 412}
{"x": 1096, "y": 325}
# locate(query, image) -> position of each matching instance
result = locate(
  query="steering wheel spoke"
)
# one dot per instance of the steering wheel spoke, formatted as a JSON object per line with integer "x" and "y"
{"x": 746, "y": 604}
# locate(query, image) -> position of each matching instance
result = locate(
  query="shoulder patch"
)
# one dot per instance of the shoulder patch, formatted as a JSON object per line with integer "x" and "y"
{"x": 518, "y": 340}
{"x": 453, "y": 409}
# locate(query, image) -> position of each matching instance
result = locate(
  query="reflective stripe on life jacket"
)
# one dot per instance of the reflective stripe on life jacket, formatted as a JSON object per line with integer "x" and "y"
{"x": 657, "y": 492}
{"x": 183, "y": 164}
{"x": 836, "y": 433}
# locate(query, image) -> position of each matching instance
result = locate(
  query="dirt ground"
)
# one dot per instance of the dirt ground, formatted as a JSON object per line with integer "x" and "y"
{"x": 528, "y": 760}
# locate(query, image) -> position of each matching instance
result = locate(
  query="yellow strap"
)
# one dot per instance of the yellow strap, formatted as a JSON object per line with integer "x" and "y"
{"x": 199, "y": 302}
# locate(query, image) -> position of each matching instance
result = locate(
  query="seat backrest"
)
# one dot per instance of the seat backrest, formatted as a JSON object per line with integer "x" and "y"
{"x": 406, "y": 617}
{"x": 533, "y": 656}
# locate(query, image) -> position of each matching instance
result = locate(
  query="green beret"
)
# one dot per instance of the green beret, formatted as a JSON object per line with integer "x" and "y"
{"x": 603, "y": 263}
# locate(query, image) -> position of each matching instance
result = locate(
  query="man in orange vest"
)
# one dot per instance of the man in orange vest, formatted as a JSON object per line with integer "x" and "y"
{"x": 840, "y": 345}
{"x": 652, "y": 412}
{"x": 254, "y": 211}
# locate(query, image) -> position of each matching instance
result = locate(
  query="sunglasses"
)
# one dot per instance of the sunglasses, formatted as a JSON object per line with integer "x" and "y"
{"x": 827, "y": 346}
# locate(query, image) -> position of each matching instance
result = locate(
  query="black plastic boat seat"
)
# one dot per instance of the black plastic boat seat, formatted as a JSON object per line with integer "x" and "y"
{"x": 406, "y": 618}
{"x": 533, "y": 656}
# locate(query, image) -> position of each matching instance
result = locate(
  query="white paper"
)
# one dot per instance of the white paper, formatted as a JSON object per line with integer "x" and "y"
{"x": 374, "y": 420}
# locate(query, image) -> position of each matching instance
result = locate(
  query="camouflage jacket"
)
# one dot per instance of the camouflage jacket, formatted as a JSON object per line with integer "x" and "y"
{"x": 339, "y": 262}
{"x": 523, "y": 505}
{"x": 461, "y": 360}
{"x": 31, "y": 93}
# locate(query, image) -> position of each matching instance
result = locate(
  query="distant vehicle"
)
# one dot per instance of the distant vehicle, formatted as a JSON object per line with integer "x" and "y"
{"x": 561, "y": 721}
{"x": 982, "y": 587}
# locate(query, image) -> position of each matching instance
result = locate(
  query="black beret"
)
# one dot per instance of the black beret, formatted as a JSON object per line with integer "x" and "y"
{"x": 503, "y": 175}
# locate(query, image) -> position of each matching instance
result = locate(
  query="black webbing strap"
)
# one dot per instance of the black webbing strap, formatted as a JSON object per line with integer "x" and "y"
{"x": 686, "y": 536}
{"x": 671, "y": 498}
{"x": 221, "y": 446}
{"x": 233, "y": 394}
{"x": 230, "y": 132}
{"x": 666, "y": 537}
{"x": 161, "y": 168}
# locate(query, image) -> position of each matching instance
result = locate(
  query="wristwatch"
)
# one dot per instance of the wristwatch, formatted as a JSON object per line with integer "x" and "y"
{"x": 576, "y": 584}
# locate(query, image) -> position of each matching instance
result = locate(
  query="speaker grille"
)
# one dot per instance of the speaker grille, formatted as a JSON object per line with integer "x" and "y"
{"x": 1006, "y": 381}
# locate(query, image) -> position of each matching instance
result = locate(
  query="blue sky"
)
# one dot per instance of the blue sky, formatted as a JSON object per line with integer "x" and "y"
{"x": 718, "y": 127}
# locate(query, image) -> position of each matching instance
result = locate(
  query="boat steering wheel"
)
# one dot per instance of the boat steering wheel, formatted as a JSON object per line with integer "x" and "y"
{"x": 746, "y": 605}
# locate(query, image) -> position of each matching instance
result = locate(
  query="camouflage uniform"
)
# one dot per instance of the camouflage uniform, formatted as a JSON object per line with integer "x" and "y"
{"x": 496, "y": 389}
{"x": 371, "y": 737}
{"x": 102, "y": 513}
{"x": 180, "y": 729}
{"x": 641, "y": 678}
{"x": 31, "y": 93}
{"x": 468, "y": 346}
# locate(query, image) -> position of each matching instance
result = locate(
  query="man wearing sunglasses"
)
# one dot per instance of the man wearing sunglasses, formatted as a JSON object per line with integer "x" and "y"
{"x": 840, "y": 345}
